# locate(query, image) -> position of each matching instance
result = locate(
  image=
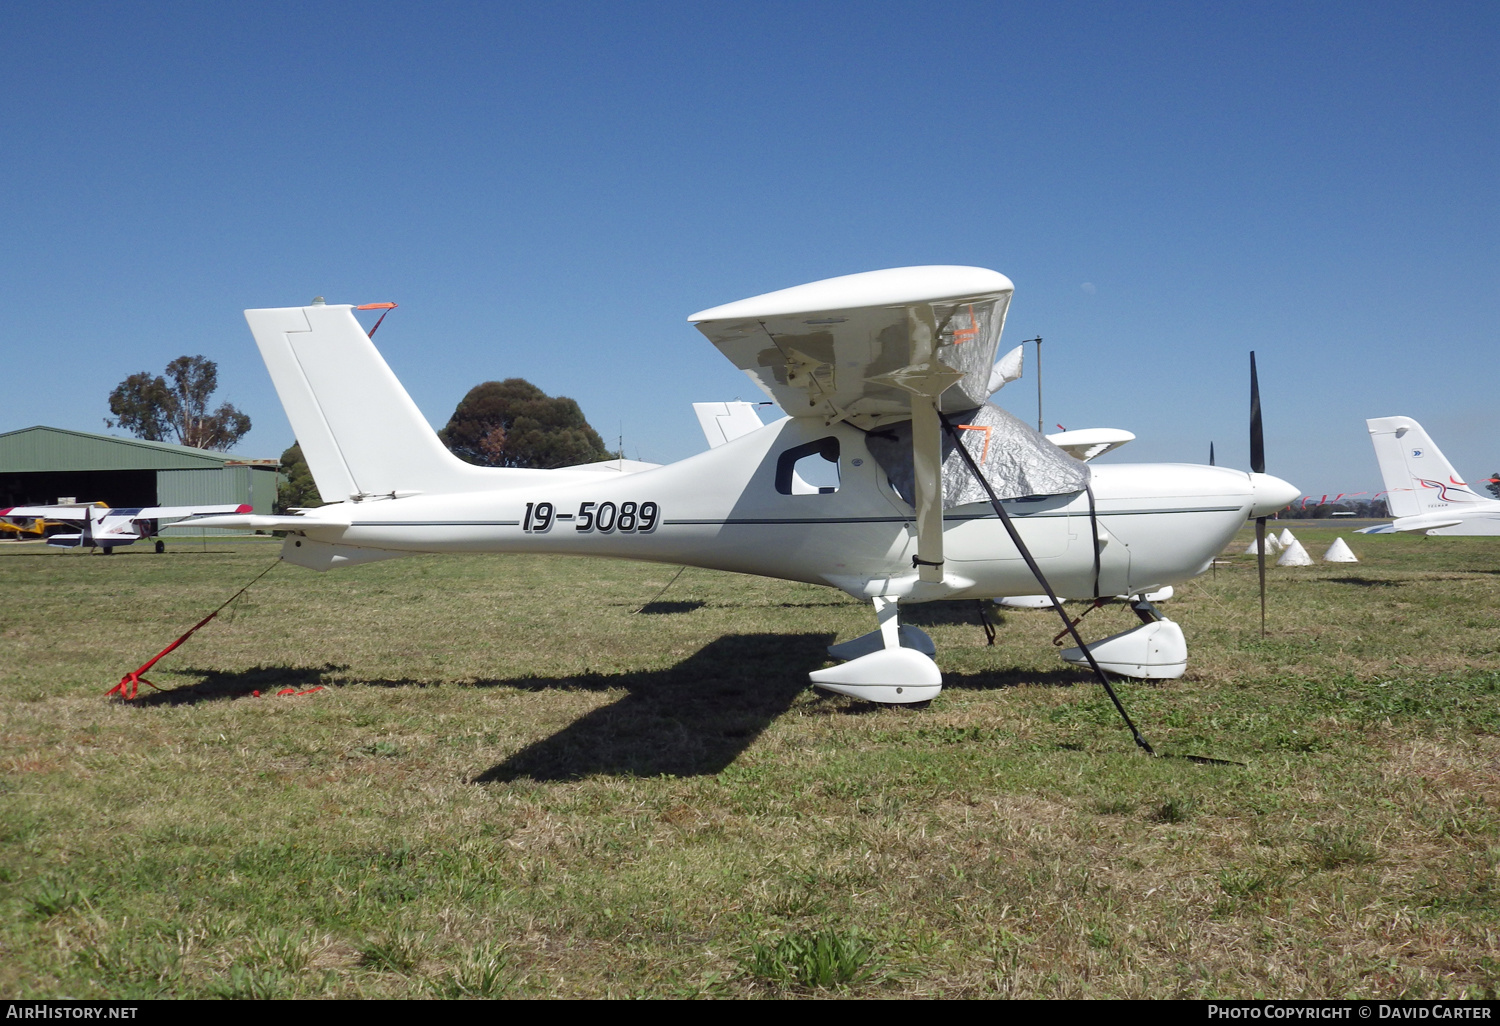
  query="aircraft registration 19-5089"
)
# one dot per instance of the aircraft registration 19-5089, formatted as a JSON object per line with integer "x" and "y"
{"x": 892, "y": 477}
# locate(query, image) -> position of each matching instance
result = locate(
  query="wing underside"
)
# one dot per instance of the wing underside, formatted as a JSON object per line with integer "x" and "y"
{"x": 899, "y": 351}
{"x": 849, "y": 348}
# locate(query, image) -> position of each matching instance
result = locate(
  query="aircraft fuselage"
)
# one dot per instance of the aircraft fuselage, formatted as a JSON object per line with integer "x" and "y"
{"x": 729, "y": 509}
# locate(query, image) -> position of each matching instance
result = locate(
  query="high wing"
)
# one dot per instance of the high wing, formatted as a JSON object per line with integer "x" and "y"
{"x": 853, "y": 348}
{"x": 872, "y": 349}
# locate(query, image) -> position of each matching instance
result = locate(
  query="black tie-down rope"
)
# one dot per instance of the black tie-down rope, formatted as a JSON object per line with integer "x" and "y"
{"x": 1041, "y": 579}
{"x": 654, "y": 598}
{"x": 984, "y": 621}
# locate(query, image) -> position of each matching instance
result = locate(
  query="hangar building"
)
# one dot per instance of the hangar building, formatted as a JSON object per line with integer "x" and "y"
{"x": 40, "y": 465}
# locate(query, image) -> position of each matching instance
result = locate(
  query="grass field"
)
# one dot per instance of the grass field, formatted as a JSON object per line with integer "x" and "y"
{"x": 513, "y": 783}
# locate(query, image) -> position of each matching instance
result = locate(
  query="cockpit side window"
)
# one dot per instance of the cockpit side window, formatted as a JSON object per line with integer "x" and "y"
{"x": 809, "y": 469}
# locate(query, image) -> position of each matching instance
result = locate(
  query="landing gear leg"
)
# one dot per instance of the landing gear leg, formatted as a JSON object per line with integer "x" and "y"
{"x": 985, "y": 621}
{"x": 1145, "y": 610}
{"x": 891, "y": 665}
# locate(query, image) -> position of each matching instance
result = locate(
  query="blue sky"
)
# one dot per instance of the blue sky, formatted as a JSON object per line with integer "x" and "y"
{"x": 549, "y": 190}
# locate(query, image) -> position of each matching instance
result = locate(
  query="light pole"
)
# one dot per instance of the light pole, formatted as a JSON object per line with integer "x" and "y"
{"x": 1038, "y": 341}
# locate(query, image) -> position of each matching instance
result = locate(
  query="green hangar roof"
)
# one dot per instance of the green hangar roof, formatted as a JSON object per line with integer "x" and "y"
{"x": 37, "y": 449}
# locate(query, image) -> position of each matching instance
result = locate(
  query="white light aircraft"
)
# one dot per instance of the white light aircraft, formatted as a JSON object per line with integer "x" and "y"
{"x": 1425, "y": 493}
{"x": 870, "y": 485}
{"x": 109, "y": 528}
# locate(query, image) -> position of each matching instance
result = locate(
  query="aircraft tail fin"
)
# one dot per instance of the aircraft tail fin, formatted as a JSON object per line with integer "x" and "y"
{"x": 361, "y": 434}
{"x": 724, "y": 422}
{"x": 1418, "y": 477}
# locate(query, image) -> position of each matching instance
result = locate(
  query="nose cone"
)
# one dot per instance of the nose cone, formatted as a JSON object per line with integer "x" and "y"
{"x": 1270, "y": 494}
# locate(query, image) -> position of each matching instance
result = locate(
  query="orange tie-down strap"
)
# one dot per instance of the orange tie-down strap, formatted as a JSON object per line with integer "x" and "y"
{"x": 129, "y": 685}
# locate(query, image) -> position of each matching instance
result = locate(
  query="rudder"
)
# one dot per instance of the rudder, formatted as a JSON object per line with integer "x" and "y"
{"x": 1418, "y": 477}
{"x": 360, "y": 432}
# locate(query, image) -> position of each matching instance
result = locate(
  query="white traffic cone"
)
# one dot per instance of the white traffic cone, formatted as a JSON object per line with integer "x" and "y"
{"x": 1339, "y": 552}
{"x": 1295, "y": 555}
{"x": 1272, "y": 546}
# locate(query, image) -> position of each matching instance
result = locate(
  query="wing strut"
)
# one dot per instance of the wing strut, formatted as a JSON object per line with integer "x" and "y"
{"x": 1036, "y": 571}
{"x": 926, "y": 378}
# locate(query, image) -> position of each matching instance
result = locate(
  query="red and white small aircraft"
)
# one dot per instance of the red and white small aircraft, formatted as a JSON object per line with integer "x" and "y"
{"x": 892, "y": 478}
{"x": 109, "y": 528}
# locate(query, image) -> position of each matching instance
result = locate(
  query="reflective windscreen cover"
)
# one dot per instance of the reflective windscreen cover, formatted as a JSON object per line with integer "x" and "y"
{"x": 1016, "y": 460}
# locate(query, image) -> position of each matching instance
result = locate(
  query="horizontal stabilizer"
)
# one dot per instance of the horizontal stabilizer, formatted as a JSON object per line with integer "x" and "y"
{"x": 1420, "y": 523}
{"x": 246, "y": 522}
{"x": 316, "y": 555}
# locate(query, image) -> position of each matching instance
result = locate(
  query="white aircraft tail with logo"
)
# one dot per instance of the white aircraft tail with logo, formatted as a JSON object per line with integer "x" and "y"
{"x": 1418, "y": 477}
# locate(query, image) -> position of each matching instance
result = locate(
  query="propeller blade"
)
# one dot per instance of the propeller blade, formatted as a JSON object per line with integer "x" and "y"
{"x": 1258, "y": 466}
{"x": 1210, "y": 454}
{"x": 1260, "y": 563}
{"x": 1257, "y": 438}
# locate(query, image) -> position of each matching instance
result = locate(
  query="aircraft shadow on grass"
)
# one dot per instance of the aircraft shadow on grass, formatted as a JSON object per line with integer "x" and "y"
{"x": 218, "y": 685}
{"x": 666, "y": 608}
{"x": 691, "y": 719}
{"x": 961, "y": 612}
{"x": 695, "y": 718}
